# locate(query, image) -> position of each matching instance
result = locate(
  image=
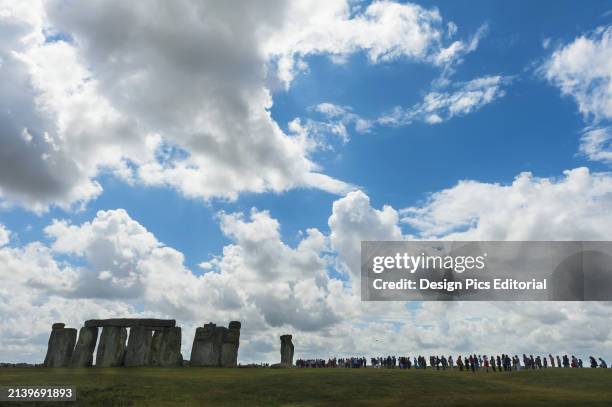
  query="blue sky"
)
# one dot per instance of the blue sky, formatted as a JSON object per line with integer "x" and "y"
{"x": 90, "y": 107}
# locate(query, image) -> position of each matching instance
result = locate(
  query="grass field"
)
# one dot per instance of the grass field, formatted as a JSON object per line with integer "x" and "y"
{"x": 321, "y": 387}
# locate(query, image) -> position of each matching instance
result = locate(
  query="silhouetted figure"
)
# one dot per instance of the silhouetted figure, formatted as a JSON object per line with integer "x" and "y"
{"x": 566, "y": 362}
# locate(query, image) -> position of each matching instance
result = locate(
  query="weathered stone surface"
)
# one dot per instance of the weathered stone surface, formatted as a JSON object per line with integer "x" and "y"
{"x": 286, "y": 350}
{"x": 230, "y": 344}
{"x": 61, "y": 346}
{"x": 111, "y": 349}
{"x": 206, "y": 349}
{"x": 138, "y": 352}
{"x": 166, "y": 347}
{"x": 58, "y": 325}
{"x": 131, "y": 322}
{"x": 216, "y": 346}
{"x": 84, "y": 349}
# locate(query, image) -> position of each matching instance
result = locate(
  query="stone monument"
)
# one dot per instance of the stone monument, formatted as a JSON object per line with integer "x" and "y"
{"x": 83, "y": 352}
{"x": 216, "y": 346}
{"x": 61, "y": 346}
{"x": 286, "y": 350}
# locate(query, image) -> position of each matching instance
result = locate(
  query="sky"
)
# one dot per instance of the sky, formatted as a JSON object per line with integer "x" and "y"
{"x": 208, "y": 161}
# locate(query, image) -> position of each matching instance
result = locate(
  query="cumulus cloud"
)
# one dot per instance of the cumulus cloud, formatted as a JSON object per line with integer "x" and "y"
{"x": 122, "y": 88}
{"x": 352, "y": 220}
{"x": 118, "y": 268}
{"x": 575, "y": 206}
{"x": 582, "y": 70}
{"x": 27, "y": 311}
{"x": 115, "y": 260}
{"x": 572, "y": 207}
{"x": 385, "y": 30}
{"x": 34, "y": 169}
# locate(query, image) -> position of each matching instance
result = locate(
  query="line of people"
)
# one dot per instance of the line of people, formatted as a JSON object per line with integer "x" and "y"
{"x": 468, "y": 363}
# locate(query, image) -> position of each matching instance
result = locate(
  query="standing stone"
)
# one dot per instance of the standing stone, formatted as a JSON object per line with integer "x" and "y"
{"x": 83, "y": 352}
{"x": 61, "y": 346}
{"x": 138, "y": 352}
{"x": 166, "y": 347}
{"x": 206, "y": 350}
{"x": 286, "y": 350}
{"x": 230, "y": 344}
{"x": 111, "y": 349}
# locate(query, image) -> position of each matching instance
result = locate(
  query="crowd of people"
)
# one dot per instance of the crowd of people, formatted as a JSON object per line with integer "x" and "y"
{"x": 469, "y": 363}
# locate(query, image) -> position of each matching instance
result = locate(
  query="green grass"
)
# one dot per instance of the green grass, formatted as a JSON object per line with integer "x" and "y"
{"x": 321, "y": 387}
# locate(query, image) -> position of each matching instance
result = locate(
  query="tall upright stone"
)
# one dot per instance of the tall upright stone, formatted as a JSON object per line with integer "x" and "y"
{"x": 286, "y": 350}
{"x": 230, "y": 344}
{"x": 111, "y": 350}
{"x": 60, "y": 346}
{"x": 166, "y": 347}
{"x": 84, "y": 349}
{"x": 206, "y": 349}
{"x": 138, "y": 352}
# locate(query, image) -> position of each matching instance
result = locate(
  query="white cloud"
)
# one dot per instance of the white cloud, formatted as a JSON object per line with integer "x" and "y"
{"x": 353, "y": 220}
{"x": 275, "y": 288}
{"x": 582, "y": 70}
{"x": 136, "y": 98}
{"x": 337, "y": 121}
{"x": 126, "y": 271}
{"x": 5, "y": 235}
{"x": 385, "y": 30}
{"x": 596, "y": 144}
{"x": 110, "y": 87}
{"x": 576, "y": 206}
{"x": 573, "y": 207}
{"x": 439, "y": 106}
